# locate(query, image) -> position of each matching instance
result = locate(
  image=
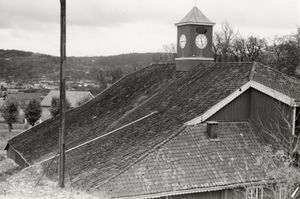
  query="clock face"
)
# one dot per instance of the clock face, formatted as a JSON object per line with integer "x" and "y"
{"x": 201, "y": 41}
{"x": 182, "y": 41}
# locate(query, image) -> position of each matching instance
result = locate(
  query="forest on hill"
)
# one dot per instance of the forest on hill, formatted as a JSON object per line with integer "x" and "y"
{"x": 28, "y": 66}
{"x": 281, "y": 53}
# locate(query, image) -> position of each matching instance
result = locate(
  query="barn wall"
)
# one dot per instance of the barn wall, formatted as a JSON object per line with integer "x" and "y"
{"x": 224, "y": 194}
{"x": 264, "y": 112}
{"x": 271, "y": 116}
{"x": 12, "y": 154}
{"x": 237, "y": 110}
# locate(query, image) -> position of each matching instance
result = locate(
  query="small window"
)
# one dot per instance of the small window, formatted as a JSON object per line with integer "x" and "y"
{"x": 254, "y": 193}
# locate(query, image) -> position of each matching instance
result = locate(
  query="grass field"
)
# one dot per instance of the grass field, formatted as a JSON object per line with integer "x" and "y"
{"x": 5, "y": 135}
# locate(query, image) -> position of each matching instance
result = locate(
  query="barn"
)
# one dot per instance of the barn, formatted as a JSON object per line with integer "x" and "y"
{"x": 193, "y": 129}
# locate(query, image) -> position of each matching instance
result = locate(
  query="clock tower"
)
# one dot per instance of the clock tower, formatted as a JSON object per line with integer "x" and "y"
{"x": 194, "y": 40}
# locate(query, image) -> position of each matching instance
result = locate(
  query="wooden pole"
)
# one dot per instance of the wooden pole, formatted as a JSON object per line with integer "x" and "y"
{"x": 61, "y": 180}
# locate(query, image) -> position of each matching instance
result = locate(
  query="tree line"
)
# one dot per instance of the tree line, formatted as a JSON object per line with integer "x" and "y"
{"x": 280, "y": 52}
{"x": 33, "y": 110}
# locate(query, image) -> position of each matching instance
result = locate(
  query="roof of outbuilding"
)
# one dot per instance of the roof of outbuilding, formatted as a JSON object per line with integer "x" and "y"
{"x": 23, "y": 98}
{"x": 192, "y": 161}
{"x": 72, "y": 96}
{"x": 195, "y": 16}
{"x": 172, "y": 98}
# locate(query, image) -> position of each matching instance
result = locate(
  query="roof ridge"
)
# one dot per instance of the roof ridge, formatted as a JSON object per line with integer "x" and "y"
{"x": 252, "y": 71}
{"x": 220, "y": 122}
{"x": 146, "y": 154}
{"x": 278, "y": 71}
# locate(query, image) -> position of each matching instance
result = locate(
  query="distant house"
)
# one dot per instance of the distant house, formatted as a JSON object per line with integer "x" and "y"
{"x": 72, "y": 96}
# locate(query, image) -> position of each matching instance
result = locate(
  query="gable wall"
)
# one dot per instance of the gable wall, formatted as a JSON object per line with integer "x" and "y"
{"x": 237, "y": 110}
{"x": 264, "y": 112}
{"x": 271, "y": 116}
{"x": 12, "y": 154}
{"x": 223, "y": 194}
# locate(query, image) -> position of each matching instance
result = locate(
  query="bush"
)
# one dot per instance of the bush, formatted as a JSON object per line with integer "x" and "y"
{"x": 33, "y": 112}
{"x": 10, "y": 112}
{"x": 55, "y": 106}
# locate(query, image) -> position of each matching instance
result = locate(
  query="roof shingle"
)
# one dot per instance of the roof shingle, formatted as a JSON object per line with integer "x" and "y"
{"x": 193, "y": 161}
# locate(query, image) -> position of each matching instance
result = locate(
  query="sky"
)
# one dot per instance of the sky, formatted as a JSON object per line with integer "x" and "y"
{"x": 110, "y": 27}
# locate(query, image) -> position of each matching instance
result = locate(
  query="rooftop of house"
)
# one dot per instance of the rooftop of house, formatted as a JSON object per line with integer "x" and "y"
{"x": 113, "y": 132}
{"x": 72, "y": 96}
{"x": 182, "y": 163}
{"x": 23, "y": 98}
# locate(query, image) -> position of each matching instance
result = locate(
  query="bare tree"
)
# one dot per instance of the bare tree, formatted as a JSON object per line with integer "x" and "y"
{"x": 170, "y": 52}
{"x": 255, "y": 48}
{"x": 100, "y": 76}
{"x": 114, "y": 74}
{"x": 279, "y": 159}
{"x": 223, "y": 40}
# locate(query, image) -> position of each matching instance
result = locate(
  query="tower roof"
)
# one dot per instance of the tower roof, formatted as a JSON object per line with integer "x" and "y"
{"x": 195, "y": 16}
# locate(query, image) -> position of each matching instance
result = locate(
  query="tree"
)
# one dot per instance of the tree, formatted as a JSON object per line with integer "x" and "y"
{"x": 280, "y": 159}
{"x": 83, "y": 100}
{"x": 255, "y": 48}
{"x": 114, "y": 74}
{"x": 33, "y": 112}
{"x": 55, "y": 106}
{"x": 100, "y": 76}
{"x": 10, "y": 112}
{"x": 170, "y": 52}
{"x": 223, "y": 41}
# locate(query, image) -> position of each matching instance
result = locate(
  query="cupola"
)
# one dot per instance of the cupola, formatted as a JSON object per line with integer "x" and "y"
{"x": 194, "y": 40}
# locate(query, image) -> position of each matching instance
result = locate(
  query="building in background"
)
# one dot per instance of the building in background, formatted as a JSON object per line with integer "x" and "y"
{"x": 74, "y": 97}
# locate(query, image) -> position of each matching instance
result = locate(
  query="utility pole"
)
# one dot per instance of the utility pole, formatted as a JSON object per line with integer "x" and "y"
{"x": 61, "y": 171}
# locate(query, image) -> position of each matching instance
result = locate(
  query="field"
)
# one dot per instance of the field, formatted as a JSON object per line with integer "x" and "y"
{"x": 17, "y": 184}
{"x": 7, "y": 167}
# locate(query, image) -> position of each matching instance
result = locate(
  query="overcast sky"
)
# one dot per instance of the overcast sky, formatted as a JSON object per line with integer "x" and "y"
{"x": 107, "y": 27}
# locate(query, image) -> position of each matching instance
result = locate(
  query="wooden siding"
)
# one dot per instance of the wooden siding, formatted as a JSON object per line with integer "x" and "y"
{"x": 271, "y": 117}
{"x": 237, "y": 110}
{"x": 12, "y": 154}
{"x": 190, "y": 49}
{"x": 297, "y": 124}
{"x": 264, "y": 112}
{"x": 223, "y": 194}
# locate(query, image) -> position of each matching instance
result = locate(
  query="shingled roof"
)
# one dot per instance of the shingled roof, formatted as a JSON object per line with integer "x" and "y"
{"x": 276, "y": 80}
{"x": 134, "y": 116}
{"x": 183, "y": 165}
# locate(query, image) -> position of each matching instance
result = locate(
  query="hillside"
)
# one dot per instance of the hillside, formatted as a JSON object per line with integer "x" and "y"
{"x": 26, "y": 66}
